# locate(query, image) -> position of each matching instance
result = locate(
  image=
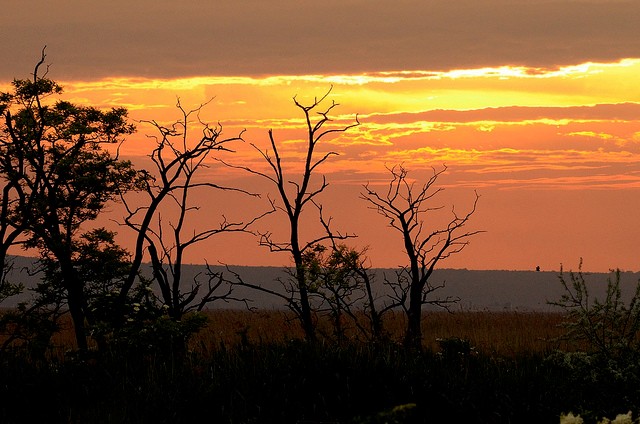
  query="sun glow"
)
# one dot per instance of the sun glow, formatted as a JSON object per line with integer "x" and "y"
{"x": 492, "y": 120}
{"x": 504, "y": 131}
{"x": 588, "y": 83}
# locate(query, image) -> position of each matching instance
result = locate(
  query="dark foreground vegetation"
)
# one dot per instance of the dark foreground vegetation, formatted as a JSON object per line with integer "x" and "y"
{"x": 492, "y": 368}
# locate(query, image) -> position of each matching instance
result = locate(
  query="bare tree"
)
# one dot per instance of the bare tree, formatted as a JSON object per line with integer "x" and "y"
{"x": 405, "y": 205}
{"x": 294, "y": 196}
{"x": 177, "y": 160}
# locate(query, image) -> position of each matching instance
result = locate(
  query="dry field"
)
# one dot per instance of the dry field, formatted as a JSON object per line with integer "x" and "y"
{"x": 501, "y": 333}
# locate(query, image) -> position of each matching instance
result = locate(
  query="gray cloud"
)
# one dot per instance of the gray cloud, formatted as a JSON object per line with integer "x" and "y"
{"x": 89, "y": 39}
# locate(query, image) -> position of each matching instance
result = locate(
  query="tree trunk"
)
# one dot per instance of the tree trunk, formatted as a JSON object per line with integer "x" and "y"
{"x": 306, "y": 316}
{"x": 338, "y": 317}
{"x": 374, "y": 315}
{"x": 305, "y": 313}
{"x": 413, "y": 335}
{"x": 75, "y": 299}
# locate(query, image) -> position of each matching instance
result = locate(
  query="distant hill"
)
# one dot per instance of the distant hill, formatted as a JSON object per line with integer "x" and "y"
{"x": 478, "y": 290}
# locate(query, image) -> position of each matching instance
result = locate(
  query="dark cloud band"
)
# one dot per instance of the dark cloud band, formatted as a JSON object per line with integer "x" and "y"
{"x": 165, "y": 38}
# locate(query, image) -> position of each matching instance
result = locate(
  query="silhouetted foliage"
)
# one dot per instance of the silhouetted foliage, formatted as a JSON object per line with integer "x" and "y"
{"x": 603, "y": 356}
{"x": 609, "y": 326}
{"x": 340, "y": 280}
{"x": 58, "y": 177}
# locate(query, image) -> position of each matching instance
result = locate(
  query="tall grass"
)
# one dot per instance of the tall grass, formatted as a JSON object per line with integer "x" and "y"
{"x": 498, "y": 333}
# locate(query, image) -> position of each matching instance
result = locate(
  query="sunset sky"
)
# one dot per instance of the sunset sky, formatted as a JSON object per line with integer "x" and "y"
{"x": 534, "y": 104}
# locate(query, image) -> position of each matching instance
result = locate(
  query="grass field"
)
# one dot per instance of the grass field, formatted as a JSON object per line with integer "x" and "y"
{"x": 494, "y": 333}
{"x": 499, "y": 333}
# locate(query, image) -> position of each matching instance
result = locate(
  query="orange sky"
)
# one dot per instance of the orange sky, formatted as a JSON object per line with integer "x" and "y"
{"x": 551, "y": 145}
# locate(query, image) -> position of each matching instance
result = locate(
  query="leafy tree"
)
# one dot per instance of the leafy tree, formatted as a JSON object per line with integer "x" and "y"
{"x": 338, "y": 276}
{"x": 330, "y": 277}
{"x": 405, "y": 205}
{"x": 58, "y": 177}
{"x": 102, "y": 265}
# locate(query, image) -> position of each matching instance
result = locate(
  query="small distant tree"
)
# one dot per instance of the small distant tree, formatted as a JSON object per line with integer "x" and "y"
{"x": 330, "y": 272}
{"x": 405, "y": 205}
{"x": 339, "y": 277}
{"x": 294, "y": 195}
{"x": 58, "y": 177}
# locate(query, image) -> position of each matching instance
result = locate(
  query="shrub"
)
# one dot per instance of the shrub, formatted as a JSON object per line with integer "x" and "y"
{"x": 609, "y": 327}
{"x": 604, "y": 334}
